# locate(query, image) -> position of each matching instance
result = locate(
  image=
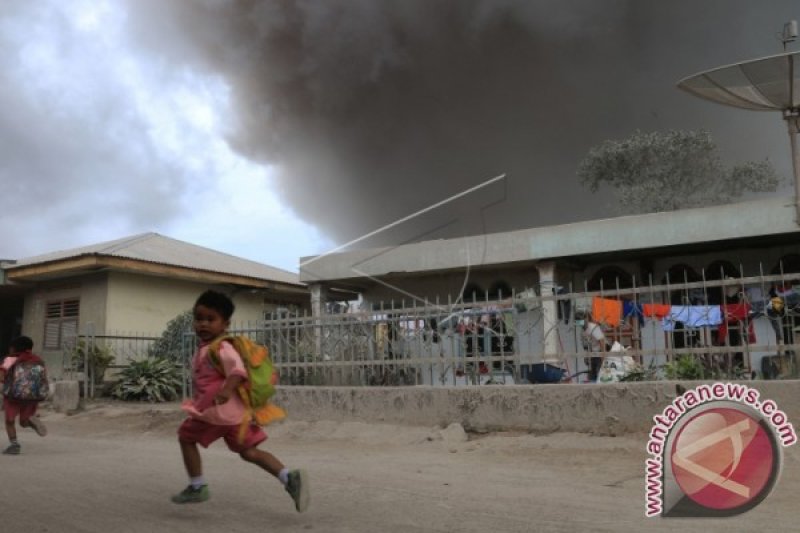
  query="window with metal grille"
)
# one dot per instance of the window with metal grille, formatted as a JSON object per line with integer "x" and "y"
{"x": 61, "y": 322}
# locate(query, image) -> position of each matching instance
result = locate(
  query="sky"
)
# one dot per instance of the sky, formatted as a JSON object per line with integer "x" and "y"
{"x": 102, "y": 141}
{"x": 276, "y": 129}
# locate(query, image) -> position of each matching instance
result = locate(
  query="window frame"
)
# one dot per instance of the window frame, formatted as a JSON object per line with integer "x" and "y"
{"x": 60, "y": 316}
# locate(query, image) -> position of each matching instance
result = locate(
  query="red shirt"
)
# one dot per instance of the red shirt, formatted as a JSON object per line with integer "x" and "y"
{"x": 733, "y": 314}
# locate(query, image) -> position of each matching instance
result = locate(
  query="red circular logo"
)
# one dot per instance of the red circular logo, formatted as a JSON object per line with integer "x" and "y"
{"x": 723, "y": 458}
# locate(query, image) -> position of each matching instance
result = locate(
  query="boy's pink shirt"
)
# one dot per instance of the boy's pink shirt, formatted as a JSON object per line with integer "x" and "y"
{"x": 207, "y": 382}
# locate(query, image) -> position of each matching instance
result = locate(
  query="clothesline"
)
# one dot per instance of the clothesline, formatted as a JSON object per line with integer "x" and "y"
{"x": 611, "y": 313}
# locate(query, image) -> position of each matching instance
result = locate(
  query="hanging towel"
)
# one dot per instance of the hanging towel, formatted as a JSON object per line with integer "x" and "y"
{"x": 733, "y": 314}
{"x": 692, "y": 316}
{"x": 658, "y": 311}
{"x": 677, "y": 313}
{"x": 605, "y": 311}
{"x": 633, "y": 309}
{"x": 704, "y": 315}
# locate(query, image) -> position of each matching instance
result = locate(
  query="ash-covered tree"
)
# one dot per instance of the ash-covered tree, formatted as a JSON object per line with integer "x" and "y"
{"x": 665, "y": 171}
{"x": 171, "y": 344}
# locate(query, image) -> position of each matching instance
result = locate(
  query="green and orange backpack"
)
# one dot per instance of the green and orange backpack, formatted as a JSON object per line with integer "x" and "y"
{"x": 259, "y": 388}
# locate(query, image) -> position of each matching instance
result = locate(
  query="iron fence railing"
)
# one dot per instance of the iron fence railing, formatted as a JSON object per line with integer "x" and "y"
{"x": 734, "y": 328}
{"x": 739, "y": 327}
{"x": 91, "y": 358}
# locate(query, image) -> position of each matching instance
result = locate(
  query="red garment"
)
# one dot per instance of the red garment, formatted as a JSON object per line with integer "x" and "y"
{"x": 24, "y": 357}
{"x": 732, "y": 315}
{"x": 23, "y": 410}
{"x": 658, "y": 311}
{"x": 203, "y": 433}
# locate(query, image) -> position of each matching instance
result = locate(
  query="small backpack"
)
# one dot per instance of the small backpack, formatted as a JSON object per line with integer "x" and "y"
{"x": 261, "y": 378}
{"x": 26, "y": 381}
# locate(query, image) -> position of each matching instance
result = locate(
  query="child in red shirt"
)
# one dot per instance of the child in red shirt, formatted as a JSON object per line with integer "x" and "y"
{"x": 20, "y": 351}
{"x": 216, "y": 410}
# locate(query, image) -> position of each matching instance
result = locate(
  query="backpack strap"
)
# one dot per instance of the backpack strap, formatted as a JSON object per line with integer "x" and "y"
{"x": 213, "y": 352}
{"x": 216, "y": 362}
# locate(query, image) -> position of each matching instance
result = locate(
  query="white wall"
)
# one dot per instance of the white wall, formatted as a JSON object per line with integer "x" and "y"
{"x": 145, "y": 304}
{"x": 90, "y": 290}
{"x": 138, "y": 303}
{"x": 116, "y": 303}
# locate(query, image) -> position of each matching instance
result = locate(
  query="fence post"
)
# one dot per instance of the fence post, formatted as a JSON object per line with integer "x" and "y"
{"x": 186, "y": 355}
{"x": 547, "y": 278}
{"x": 88, "y": 372}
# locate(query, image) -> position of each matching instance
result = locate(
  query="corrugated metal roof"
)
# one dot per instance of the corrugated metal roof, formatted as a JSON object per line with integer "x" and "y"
{"x": 768, "y": 216}
{"x": 155, "y": 248}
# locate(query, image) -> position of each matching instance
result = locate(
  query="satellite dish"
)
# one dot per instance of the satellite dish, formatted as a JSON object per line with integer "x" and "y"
{"x": 766, "y": 84}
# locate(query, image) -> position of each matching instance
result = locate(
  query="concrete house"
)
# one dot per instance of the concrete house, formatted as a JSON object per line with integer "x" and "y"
{"x": 746, "y": 235}
{"x": 135, "y": 284}
{"x": 658, "y": 258}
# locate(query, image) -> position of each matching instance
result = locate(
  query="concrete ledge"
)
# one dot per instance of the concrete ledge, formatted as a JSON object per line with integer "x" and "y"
{"x": 601, "y": 409}
{"x": 66, "y": 396}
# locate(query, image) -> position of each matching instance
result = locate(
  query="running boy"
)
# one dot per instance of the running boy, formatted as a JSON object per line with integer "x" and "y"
{"x": 20, "y": 352}
{"x": 216, "y": 410}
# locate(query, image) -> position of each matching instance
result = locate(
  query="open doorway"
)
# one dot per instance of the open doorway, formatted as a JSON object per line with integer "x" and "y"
{"x": 11, "y": 306}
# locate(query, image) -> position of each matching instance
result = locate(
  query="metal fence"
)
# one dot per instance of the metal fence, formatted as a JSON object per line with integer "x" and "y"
{"x": 91, "y": 359}
{"x": 743, "y": 327}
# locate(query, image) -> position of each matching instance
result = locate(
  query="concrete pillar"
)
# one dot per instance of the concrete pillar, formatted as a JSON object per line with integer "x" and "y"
{"x": 318, "y": 297}
{"x": 547, "y": 282}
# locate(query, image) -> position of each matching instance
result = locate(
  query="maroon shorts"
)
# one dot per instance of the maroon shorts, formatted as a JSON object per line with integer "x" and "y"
{"x": 203, "y": 433}
{"x": 23, "y": 410}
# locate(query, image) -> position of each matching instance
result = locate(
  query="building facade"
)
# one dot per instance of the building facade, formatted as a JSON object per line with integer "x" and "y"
{"x": 131, "y": 287}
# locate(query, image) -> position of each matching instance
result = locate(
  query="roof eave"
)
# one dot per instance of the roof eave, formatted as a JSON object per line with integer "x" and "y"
{"x": 88, "y": 263}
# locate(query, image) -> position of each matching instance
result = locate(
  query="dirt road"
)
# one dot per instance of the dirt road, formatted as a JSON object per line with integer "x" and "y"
{"x": 113, "y": 467}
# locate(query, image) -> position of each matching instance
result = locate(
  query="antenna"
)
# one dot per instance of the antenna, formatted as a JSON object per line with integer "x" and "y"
{"x": 789, "y": 33}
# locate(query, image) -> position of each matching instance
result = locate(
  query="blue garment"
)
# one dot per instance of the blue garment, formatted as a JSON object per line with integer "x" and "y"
{"x": 677, "y": 313}
{"x": 705, "y": 315}
{"x": 633, "y": 309}
{"x": 693, "y": 316}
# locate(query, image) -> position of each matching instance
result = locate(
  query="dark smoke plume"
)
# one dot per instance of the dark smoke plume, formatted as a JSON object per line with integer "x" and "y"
{"x": 373, "y": 109}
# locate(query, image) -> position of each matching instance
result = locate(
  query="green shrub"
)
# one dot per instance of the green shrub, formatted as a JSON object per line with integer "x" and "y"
{"x": 684, "y": 367}
{"x": 154, "y": 380}
{"x": 99, "y": 356}
{"x": 170, "y": 345}
{"x": 640, "y": 373}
